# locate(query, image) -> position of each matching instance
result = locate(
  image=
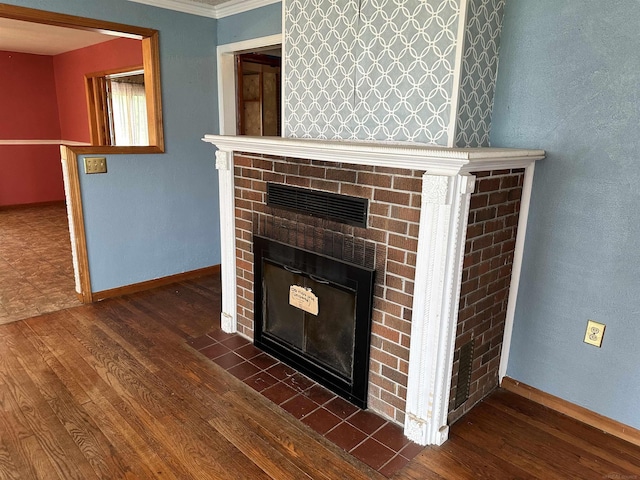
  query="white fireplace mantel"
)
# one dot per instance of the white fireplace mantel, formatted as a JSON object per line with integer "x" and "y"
{"x": 436, "y": 160}
{"x": 447, "y": 185}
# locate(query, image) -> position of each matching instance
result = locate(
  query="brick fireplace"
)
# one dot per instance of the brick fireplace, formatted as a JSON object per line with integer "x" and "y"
{"x": 392, "y": 233}
{"x": 444, "y": 226}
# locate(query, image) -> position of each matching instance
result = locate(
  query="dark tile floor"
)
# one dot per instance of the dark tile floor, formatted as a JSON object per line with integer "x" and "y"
{"x": 36, "y": 271}
{"x": 368, "y": 437}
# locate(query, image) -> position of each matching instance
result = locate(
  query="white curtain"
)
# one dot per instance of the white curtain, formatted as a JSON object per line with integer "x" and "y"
{"x": 129, "y": 113}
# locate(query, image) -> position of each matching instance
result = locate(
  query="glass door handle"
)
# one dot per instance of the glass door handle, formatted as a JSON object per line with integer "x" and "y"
{"x": 292, "y": 270}
{"x": 319, "y": 280}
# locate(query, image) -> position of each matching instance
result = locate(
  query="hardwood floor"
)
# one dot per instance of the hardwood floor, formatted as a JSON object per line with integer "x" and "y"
{"x": 36, "y": 271}
{"x": 112, "y": 390}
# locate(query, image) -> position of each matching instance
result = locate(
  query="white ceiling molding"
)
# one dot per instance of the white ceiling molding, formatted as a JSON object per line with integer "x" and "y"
{"x": 221, "y": 10}
{"x": 181, "y": 6}
{"x": 233, "y": 7}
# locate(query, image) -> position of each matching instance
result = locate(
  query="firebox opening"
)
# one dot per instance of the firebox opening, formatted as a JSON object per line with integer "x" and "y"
{"x": 313, "y": 312}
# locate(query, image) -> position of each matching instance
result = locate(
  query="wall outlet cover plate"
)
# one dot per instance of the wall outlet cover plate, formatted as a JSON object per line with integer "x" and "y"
{"x": 95, "y": 165}
{"x": 594, "y": 333}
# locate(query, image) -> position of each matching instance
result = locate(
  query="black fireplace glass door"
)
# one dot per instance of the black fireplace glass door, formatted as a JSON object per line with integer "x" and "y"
{"x": 281, "y": 319}
{"x": 331, "y": 347}
{"x": 331, "y": 335}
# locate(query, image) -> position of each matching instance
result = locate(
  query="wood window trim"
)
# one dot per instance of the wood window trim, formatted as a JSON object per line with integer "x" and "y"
{"x": 98, "y": 104}
{"x": 98, "y": 109}
{"x": 150, "y": 63}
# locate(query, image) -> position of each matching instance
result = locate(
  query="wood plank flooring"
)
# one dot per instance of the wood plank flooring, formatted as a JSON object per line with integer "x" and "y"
{"x": 112, "y": 390}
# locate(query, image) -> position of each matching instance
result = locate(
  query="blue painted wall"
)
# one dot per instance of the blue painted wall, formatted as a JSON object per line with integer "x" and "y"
{"x": 156, "y": 215}
{"x": 256, "y": 23}
{"x": 569, "y": 82}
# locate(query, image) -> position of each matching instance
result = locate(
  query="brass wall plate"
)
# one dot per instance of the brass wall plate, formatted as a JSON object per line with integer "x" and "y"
{"x": 594, "y": 333}
{"x": 95, "y": 165}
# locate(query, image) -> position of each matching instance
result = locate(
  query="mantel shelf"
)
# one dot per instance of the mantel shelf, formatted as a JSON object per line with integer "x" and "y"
{"x": 434, "y": 159}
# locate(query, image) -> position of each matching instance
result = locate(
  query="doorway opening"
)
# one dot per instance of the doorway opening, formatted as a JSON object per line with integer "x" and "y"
{"x": 269, "y": 49}
{"x": 47, "y": 132}
{"x": 258, "y": 90}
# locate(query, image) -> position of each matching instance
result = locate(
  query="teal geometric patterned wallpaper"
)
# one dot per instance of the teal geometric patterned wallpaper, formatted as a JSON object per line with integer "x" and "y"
{"x": 385, "y": 69}
{"x": 370, "y": 69}
{"x": 479, "y": 72}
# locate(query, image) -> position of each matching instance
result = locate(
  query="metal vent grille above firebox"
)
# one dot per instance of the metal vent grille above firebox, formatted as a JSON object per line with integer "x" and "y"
{"x": 332, "y": 206}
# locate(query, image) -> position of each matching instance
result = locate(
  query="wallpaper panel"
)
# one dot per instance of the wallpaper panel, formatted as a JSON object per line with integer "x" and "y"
{"x": 370, "y": 69}
{"x": 479, "y": 72}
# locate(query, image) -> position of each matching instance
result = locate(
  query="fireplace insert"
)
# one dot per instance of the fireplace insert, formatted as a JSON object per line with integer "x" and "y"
{"x": 313, "y": 312}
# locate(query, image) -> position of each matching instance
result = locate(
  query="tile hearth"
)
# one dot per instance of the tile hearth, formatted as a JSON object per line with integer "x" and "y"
{"x": 368, "y": 437}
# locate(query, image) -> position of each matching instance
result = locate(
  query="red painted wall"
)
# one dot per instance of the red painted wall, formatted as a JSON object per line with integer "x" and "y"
{"x": 28, "y": 111}
{"x": 30, "y": 174}
{"x": 70, "y": 69}
{"x": 28, "y": 102}
{"x": 43, "y": 98}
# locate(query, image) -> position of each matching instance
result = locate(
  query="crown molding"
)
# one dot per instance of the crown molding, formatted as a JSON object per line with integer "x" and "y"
{"x": 226, "y": 9}
{"x": 232, "y": 7}
{"x": 181, "y": 6}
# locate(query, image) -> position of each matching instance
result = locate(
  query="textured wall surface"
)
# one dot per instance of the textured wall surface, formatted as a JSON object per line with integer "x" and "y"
{"x": 30, "y": 174}
{"x": 569, "y": 82}
{"x": 29, "y": 110}
{"x": 387, "y": 70}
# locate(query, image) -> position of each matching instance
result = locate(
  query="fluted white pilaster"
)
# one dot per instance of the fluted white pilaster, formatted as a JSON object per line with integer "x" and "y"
{"x": 443, "y": 222}
{"x": 224, "y": 164}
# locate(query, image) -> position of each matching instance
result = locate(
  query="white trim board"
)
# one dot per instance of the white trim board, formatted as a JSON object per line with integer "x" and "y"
{"x": 433, "y": 159}
{"x": 457, "y": 73}
{"x": 44, "y": 142}
{"x": 234, "y": 7}
{"x": 516, "y": 268}
{"x": 226, "y": 9}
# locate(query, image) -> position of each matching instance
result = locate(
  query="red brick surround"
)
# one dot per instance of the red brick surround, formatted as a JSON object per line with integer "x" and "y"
{"x": 486, "y": 276}
{"x": 394, "y": 213}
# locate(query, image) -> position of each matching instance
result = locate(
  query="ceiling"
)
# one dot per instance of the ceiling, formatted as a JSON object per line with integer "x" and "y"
{"x": 40, "y": 39}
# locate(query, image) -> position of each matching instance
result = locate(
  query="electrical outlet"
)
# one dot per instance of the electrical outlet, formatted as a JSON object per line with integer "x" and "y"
{"x": 594, "y": 333}
{"x": 95, "y": 165}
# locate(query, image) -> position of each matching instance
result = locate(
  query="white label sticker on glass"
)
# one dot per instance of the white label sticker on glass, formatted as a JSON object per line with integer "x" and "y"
{"x": 304, "y": 299}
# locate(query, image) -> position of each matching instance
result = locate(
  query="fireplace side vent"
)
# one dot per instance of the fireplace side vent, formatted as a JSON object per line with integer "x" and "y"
{"x": 317, "y": 203}
{"x": 464, "y": 373}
